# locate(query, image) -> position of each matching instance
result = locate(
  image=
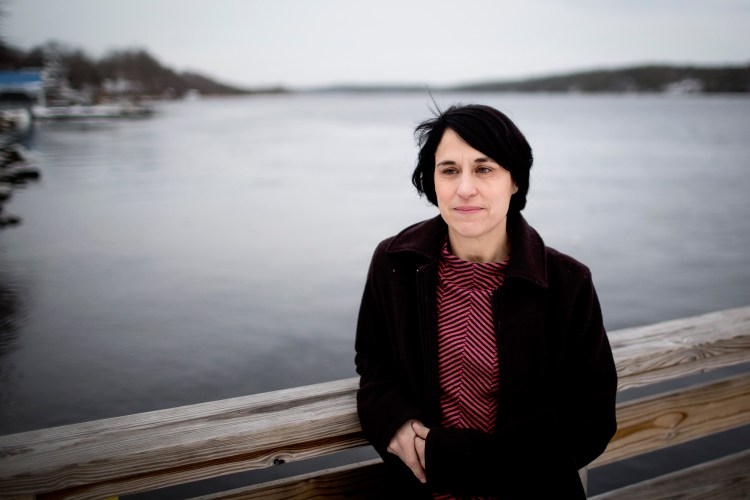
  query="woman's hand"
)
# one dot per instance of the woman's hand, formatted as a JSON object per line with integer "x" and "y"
{"x": 421, "y": 432}
{"x": 408, "y": 444}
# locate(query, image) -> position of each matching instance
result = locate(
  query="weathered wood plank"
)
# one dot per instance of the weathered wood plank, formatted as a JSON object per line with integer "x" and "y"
{"x": 727, "y": 478}
{"x": 364, "y": 480}
{"x": 644, "y": 425}
{"x": 655, "y": 353}
{"x": 678, "y": 416}
{"x": 168, "y": 447}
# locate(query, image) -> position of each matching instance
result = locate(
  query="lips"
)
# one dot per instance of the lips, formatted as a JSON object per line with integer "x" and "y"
{"x": 467, "y": 209}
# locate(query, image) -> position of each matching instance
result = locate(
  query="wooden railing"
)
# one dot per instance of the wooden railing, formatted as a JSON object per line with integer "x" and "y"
{"x": 152, "y": 450}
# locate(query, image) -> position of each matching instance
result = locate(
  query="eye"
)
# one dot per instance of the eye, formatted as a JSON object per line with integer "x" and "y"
{"x": 449, "y": 171}
{"x": 484, "y": 169}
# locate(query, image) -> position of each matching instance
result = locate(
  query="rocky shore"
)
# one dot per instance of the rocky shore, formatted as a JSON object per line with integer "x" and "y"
{"x": 15, "y": 172}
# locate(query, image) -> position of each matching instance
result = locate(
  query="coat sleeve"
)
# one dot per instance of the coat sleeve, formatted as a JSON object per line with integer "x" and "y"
{"x": 559, "y": 438}
{"x": 383, "y": 404}
{"x": 593, "y": 421}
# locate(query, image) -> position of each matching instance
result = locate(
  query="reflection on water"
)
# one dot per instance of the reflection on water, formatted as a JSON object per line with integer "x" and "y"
{"x": 12, "y": 316}
{"x": 219, "y": 248}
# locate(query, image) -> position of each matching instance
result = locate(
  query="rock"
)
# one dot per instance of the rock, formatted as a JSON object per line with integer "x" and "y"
{"x": 14, "y": 153}
{"x": 6, "y": 191}
{"x": 9, "y": 220}
{"x": 17, "y": 175}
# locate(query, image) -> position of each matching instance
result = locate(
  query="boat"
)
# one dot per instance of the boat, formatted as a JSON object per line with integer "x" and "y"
{"x": 79, "y": 111}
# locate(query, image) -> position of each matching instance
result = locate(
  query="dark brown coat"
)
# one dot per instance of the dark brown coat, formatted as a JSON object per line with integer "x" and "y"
{"x": 557, "y": 376}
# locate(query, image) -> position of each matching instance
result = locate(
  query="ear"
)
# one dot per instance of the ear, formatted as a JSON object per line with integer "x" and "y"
{"x": 515, "y": 188}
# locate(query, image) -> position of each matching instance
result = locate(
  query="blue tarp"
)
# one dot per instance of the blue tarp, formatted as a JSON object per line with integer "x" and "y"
{"x": 21, "y": 79}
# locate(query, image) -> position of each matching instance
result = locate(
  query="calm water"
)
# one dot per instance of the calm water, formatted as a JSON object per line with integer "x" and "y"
{"x": 219, "y": 248}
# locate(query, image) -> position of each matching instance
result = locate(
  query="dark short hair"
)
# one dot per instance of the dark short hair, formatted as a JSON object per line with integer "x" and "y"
{"x": 483, "y": 128}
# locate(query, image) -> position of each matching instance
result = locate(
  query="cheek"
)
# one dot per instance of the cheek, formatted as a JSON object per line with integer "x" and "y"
{"x": 441, "y": 191}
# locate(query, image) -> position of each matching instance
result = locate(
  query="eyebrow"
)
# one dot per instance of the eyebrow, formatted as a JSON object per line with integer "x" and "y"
{"x": 481, "y": 159}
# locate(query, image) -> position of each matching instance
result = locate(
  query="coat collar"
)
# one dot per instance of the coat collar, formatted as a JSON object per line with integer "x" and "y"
{"x": 527, "y": 255}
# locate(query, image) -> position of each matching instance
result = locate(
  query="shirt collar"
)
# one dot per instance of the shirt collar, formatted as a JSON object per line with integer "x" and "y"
{"x": 426, "y": 240}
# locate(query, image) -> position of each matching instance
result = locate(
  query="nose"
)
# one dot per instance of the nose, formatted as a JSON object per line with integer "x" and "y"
{"x": 466, "y": 185}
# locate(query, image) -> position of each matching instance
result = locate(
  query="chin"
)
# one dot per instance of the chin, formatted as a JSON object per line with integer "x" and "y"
{"x": 467, "y": 232}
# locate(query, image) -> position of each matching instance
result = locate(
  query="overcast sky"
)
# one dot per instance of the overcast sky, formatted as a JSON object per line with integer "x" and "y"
{"x": 302, "y": 43}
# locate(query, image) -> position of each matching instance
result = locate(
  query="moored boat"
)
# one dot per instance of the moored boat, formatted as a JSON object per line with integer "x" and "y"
{"x": 91, "y": 111}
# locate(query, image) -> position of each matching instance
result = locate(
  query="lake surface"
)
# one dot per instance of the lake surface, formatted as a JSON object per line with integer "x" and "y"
{"x": 219, "y": 248}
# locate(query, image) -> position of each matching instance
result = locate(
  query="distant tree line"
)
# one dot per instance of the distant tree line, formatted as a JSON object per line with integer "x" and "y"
{"x": 135, "y": 71}
{"x": 732, "y": 79}
{"x": 138, "y": 73}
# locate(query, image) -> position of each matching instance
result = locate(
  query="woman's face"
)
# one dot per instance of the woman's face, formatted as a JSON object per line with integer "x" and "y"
{"x": 473, "y": 191}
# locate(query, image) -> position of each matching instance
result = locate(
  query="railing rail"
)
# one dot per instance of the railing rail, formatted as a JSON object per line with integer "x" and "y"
{"x": 163, "y": 448}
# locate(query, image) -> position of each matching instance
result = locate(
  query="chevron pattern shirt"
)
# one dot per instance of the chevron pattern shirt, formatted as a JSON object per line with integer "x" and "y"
{"x": 468, "y": 366}
{"x": 467, "y": 346}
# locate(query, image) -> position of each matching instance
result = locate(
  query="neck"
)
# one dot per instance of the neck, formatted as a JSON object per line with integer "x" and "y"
{"x": 488, "y": 248}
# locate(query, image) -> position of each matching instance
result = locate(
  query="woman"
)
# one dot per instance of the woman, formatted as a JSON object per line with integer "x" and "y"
{"x": 485, "y": 368}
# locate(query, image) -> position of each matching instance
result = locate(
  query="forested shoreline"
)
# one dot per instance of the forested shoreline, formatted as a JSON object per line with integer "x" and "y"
{"x": 137, "y": 72}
